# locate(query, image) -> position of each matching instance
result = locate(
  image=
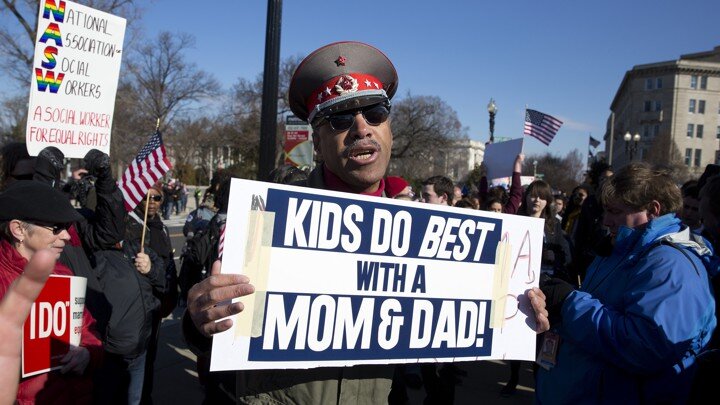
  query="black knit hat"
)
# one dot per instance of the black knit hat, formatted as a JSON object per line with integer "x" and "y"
{"x": 34, "y": 201}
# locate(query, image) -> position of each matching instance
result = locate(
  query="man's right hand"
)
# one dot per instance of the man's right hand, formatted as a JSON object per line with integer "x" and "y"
{"x": 204, "y": 297}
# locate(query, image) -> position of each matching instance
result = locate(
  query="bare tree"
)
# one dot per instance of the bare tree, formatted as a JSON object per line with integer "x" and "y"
{"x": 13, "y": 118}
{"x": 562, "y": 173}
{"x": 165, "y": 82}
{"x": 421, "y": 124}
{"x": 130, "y": 129}
{"x": 244, "y": 109}
{"x": 17, "y": 41}
{"x": 664, "y": 152}
{"x": 424, "y": 128}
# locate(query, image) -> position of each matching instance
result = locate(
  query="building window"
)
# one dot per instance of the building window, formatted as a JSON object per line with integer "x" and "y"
{"x": 691, "y": 108}
{"x": 648, "y": 84}
{"x": 656, "y": 130}
{"x": 698, "y": 155}
{"x": 690, "y": 130}
{"x": 646, "y": 131}
{"x": 647, "y": 106}
{"x": 688, "y": 156}
{"x": 699, "y": 133}
{"x": 703, "y": 83}
{"x": 693, "y": 82}
{"x": 701, "y": 106}
{"x": 718, "y": 132}
{"x": 658, "y": 105}
{"x": 717, "y": 157}
{"x": 658, "y": 83}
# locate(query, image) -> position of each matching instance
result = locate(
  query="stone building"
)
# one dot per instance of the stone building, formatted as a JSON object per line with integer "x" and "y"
{"x": 674, "y": 107}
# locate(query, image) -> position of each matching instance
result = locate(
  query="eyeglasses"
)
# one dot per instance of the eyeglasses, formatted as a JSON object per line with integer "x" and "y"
{"x": 156, "y": 198}
{"x": 55, "y": 229}
{"x": 375, "y": 115}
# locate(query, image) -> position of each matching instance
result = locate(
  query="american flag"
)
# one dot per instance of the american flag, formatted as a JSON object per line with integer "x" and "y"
{"x": 541, "y": 126}
{"x": 144, "y": 171}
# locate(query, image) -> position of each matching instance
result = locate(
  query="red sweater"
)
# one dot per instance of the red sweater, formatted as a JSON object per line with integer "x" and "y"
{"x": 52, "y": 387}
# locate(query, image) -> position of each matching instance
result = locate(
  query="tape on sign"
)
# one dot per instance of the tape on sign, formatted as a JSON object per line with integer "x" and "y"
{"x": 501, "y": 283}
{"x": 257, "y": 268}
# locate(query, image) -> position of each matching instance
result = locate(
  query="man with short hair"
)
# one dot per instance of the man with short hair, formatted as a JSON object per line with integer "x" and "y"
{"x": 344, "y": 91}
{"x": 438, "y": 190}
{"x": 690, "y": 213}
{"x": 631, "y": 334}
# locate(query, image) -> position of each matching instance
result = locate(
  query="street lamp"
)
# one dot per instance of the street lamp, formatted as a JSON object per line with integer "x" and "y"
{"x": 631, "y": 147}
{"x": 492, "y": 110}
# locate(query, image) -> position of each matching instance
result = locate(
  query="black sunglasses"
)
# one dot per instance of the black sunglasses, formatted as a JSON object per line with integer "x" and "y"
{"x": 156, "y": 198}
{"x": 374, "y": 115}
{"x": 55, "y": 229}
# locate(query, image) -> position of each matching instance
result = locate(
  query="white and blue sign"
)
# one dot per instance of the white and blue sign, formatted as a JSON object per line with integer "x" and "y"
{"x": 344, "y": 279}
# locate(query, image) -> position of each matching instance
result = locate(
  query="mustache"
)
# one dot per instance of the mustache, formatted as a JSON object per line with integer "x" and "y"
{"x": 360, "y": 143}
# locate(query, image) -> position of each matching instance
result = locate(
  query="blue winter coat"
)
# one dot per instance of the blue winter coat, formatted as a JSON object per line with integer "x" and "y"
{"x": 631, "y": 333}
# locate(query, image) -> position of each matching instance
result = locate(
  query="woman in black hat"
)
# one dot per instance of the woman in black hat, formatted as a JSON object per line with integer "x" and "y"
{"x": 35, "y": 217}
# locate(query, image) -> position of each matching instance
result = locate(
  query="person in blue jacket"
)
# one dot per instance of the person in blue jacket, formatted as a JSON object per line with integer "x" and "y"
{"x": 632, "y": 332}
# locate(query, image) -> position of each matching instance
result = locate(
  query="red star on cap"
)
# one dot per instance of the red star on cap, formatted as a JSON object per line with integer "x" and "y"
{"x": 340, "y": 61}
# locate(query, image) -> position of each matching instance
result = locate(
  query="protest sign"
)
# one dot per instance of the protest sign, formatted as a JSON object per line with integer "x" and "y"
{"x": 74, "y": 78}
{"x": 54, "y": 324}
{"x": 298, "y": 142}
{"x": 344, "y": 279}
{"x": 499, "y": 158}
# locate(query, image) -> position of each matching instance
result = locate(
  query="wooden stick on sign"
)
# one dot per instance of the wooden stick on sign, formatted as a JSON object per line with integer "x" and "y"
{"x": 142, "y": 239}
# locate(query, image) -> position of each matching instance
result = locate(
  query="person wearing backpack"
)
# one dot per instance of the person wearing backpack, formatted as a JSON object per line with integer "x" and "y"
{"x": 632, "y": 332}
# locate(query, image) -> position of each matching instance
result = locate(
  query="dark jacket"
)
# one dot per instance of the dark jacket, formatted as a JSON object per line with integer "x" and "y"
{"x": 131, "y": 295}
{"x": 101, "y": 229}
{"x": 202, "y": 249}
{"x": 157, "y": 238}
{"x": 556, "y": 252}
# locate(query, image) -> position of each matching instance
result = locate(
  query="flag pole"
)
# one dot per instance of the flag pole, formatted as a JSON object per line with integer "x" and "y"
{"x": 142, "y": 238}
{"x": 587, "y": 161}
{"x": 522, "y": 147}
{"x": 147, "y": 204}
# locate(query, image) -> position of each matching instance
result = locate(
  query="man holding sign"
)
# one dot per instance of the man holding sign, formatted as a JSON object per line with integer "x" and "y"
{"x": 344, "y": 91}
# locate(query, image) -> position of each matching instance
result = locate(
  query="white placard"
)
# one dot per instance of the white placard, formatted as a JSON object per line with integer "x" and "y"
{"x": 78, "y": 51}
{"x": 344, "y": 279}
{"x": 500, "y": 157}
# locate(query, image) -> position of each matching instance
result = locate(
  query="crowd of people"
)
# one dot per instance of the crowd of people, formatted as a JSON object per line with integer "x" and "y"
{"x": 625, "y": 310}
{"x": 131, "y": 278}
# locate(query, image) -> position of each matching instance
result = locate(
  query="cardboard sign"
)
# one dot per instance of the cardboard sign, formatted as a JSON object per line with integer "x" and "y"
{"x": 75, "y": 73}
{"x": 499, "y": 158}
{"x": 54, "y": 324}
{"x": 344, "y": 279}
